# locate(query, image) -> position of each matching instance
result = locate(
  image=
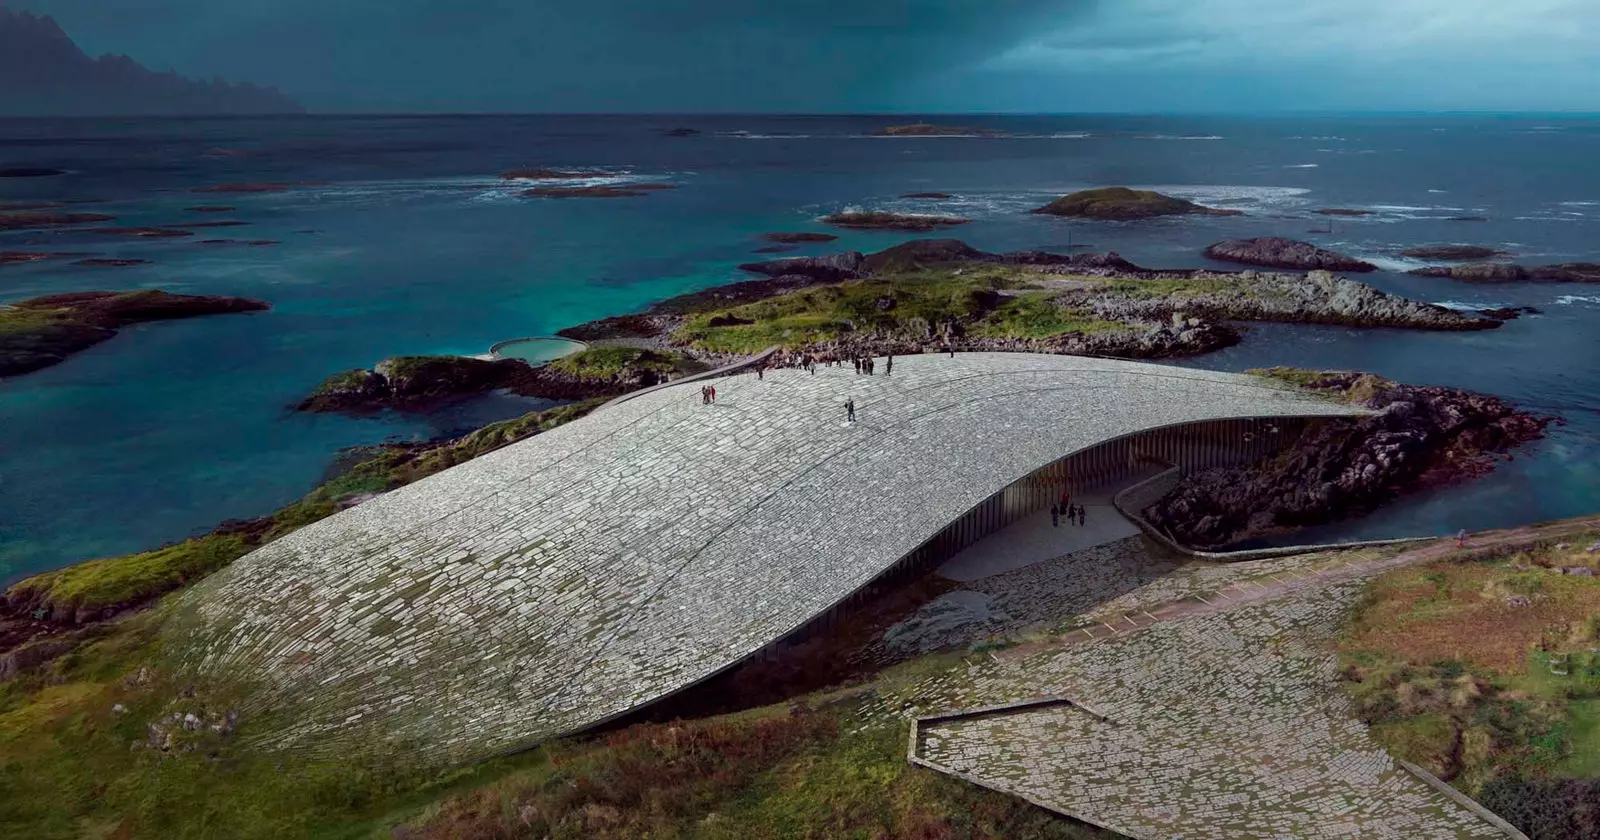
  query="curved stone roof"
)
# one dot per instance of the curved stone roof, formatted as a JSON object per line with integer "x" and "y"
{"x": 582, "y": 573}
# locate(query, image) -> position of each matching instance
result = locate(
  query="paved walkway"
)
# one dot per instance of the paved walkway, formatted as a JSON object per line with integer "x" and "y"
{"x": 1034, "y": 540}
{"x": 1216, "y": 710}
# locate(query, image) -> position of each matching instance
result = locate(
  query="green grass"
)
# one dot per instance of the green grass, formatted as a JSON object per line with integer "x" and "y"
{"x": 1174, "y": 287}
{"x": 100, "y": 584}
{"x": 1034, "y": 315}
{"x": 914, "y": 305}
{"x": 610, "y": 362}
{"x": 1584, "y": 762}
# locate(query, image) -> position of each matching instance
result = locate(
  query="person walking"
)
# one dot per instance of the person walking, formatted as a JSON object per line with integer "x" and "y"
{"x": 1066, "y": 500}
{"x": 705, "y": 395}
{"x": 1081, "y": 512}
{"x": 850, "y": 411}
{"x": 952, "y": 349}
{"x": 858, "y": 366}
{"x": 1055, "y": 516}
{"x": 1461, "y": 538}
{"x": 888, "y": 366}
{"x": 713, "y": 395}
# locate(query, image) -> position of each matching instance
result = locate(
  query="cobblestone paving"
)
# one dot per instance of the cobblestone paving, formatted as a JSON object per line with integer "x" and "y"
{"x": 574, "y": 576}
{"x": 1225, "y": 722}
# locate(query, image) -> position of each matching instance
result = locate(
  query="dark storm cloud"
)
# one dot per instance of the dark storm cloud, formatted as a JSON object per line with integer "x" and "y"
{"x": 568, "y": 54}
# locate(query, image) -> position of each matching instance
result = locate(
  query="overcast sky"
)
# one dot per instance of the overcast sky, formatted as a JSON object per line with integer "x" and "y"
{"x": 870, "y": 55}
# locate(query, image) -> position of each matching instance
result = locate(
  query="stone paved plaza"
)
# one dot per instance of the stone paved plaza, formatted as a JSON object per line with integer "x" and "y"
{"x": 1225, "y": 723}
{"x": 580, "y": 574}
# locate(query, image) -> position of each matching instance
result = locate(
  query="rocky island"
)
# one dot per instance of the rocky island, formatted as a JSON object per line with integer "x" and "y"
{"x": 933, "y": 130}
{"x": 798, "y": 238}
{"x": 1122, "y": 204}
{"x": 419, "y": 383}
{"x": 1510, "y": 273}
{"x": 880, "y": 220}
{"x": 1277, "y": 252}
{"x": 1419, "y": 437}
{"x": 28, "y": 220}
{"x": 1453, "y": 253}
{"x": 44, "y": 331}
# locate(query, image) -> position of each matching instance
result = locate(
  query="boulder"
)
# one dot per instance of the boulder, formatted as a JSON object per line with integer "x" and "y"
{"x": 1277, "y": 252}
{"x": 1123, "y": 204}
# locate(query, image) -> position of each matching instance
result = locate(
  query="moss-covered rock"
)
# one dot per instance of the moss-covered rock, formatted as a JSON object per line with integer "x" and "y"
{"x": 97, "y": 589}
{"x": 1123, "y": 204}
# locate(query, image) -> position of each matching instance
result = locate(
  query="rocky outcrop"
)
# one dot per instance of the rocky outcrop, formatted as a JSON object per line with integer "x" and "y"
{"x": 1341, "y": 211}
{"x": 1277, "y": 252}
{"x": 1123, "y": 204}
{"x": 213, "y": 208}
{"x": 880, "y": 220}
{"x": 111, "y": 262}
{"x": 44, "y": 331}
{"x": 829, "y": 269}
{"x": 410, "y": 382}
{"x": 1509, "y": 273}
{"x": 1453, "y": 253}
{"x": 1419, "y": 437}
{"x": 34, "y": 220}
{"x": 933, "y": 130}
{"x": 798, "y": 238}
{"x": 922, "y": 253}
{"x": 930, "y": 195}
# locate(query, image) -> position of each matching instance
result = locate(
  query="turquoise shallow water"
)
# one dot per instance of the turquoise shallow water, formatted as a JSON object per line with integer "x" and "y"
{"x": 407, "y": 243}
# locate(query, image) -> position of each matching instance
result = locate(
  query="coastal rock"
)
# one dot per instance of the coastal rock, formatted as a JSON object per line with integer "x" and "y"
{"x": 249, "y": 187}
{"x": 1510, "y": 273}
{"x": 933, "y": 195}
{"x": 135, "y": 232}
{"x": 32, "y": 220}
{"x": 212, "y": 208}
{"x": 1509, "y": 313}
{"x": 1277, "y": 252}
{"x": 922, "y": 253}
{"x": 798, "y": 237}
{"x": 411, "y": 382}
{"x": 1453, "y": 253}
{"x": 932, "y": 130}
{"x": 832, "y": 268}
{"x": 1340, "y": 211}
{"x": 30, "y": 172}
{"x": 44, "y": 331}
{"x": 1123, "y": 204}
{"x": 20, "y": 257}
{"x": 1419, "y": 437}
{"x": 108, "y": 262}
{"x": 1467, "y": 219}
{"x": 776, "y": 249}
{"x": 1110, "y": 261}
{"x": 880, "y": 220}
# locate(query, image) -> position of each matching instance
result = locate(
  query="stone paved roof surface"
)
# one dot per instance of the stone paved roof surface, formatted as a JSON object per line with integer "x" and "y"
{"x": 582, "y": 573}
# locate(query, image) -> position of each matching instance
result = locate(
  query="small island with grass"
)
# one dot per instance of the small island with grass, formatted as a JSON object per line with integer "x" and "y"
{"x": 43, "y": 331}
{"x": 1122, "y": 204}
{"x": 882, "y": 220}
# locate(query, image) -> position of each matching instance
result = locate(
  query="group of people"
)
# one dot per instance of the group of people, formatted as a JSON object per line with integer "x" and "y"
{"x": 1073, "y": 513}
{"x": 708, "y": 394}
{"x": 869, "y": 365}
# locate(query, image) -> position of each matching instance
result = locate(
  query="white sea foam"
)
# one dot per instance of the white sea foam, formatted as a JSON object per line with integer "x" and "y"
{"x": 1569, "y": 300}
{"x": 1302, "y": 166}
{"x": 1438, "y": 192}
{"x": 1464, "y": 306}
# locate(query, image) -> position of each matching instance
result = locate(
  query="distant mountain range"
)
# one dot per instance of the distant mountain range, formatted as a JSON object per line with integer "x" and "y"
{"x": 43, "y": 73}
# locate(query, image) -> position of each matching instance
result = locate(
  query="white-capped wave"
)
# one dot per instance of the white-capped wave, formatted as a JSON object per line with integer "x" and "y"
{"x": 1438, "y": 192}
{"x": 1234, "y": 197}
{"x": 1580, "y": 204}
{"x": 1464, "y": 306}
{"x": 1569, "y": 300}
{"x": 1302, "y": 166}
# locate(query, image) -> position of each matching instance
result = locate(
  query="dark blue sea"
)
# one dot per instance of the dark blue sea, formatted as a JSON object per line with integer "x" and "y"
{"x": 404, "y": 241}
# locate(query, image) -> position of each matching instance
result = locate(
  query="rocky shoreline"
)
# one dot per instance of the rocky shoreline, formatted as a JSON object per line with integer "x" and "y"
{"x": 1420, "y": 437}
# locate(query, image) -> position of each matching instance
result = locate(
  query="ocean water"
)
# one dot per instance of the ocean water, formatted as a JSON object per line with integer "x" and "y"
{"x": 403, "y": 240}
